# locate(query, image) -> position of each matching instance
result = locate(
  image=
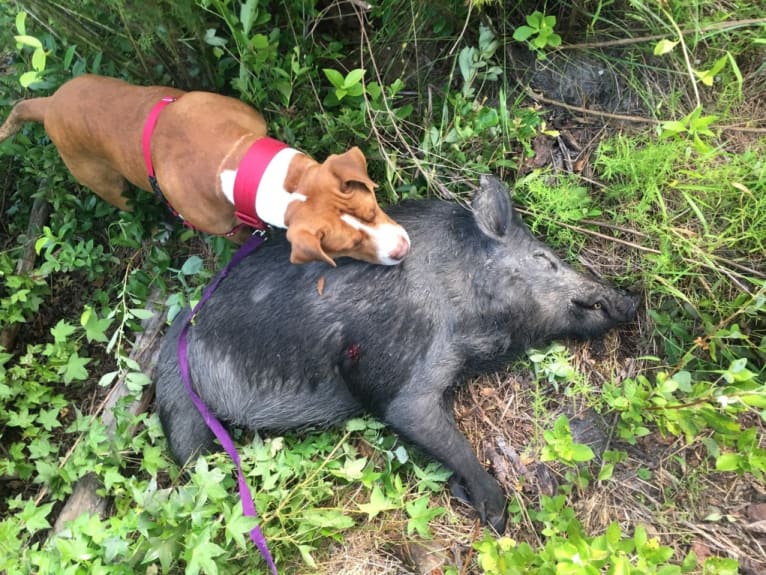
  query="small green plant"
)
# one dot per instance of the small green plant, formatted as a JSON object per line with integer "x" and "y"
{"x": 538, "y": 33}
{"x": 559, "y": 445}
{"x": 351, "y": 85}
{"x": 567, "y": 550}
{"x": 48, "y": 67}
{"x": 694, "y": 125}
{"x": 687, "y": 404}
{"x": 553, "y": 365}
{"x": 476, "y": 63}
{"x": 60, "y": 254}
{"x": 262, "y": 73}
{"x": 22, "y": 296}
{"x": 35, "y": 75}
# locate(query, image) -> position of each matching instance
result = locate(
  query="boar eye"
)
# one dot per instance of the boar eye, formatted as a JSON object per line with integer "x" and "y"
{"x": 592, "y": 305}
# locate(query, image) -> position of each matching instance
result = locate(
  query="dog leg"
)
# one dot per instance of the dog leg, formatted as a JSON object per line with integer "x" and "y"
{"x": 100, "y": 177}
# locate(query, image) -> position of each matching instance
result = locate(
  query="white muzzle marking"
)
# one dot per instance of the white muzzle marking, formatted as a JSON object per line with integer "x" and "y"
{"x": 387, "y": 238}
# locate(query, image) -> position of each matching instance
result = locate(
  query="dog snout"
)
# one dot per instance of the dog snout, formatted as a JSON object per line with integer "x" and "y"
{"x": 401, "y": 249}
{"x": 393, "y": 244}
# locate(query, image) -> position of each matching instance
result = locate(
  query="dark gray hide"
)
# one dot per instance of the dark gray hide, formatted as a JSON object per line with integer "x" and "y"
{"x": 270, "y": 352}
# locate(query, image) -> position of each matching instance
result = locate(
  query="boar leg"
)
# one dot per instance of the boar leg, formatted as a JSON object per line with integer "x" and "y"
{"x": 185, "y": 430}
{"x": 425, "y": 421}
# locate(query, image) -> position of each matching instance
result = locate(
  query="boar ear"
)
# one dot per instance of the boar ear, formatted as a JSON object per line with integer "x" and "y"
{"x": 492, "y": 207}
{"x": 351, "y": 167}
{"x": 306, "y": 246}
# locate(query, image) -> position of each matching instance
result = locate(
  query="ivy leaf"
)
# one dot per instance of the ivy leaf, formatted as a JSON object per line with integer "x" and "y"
{"x": 238, "y": 525}
{"x": 35, "y": 517}
{"x": 62, "y": 330}
{"x": 166, "y": 550}
{"x": 49, "y": 419}
{"x": 95, "y": 328}
{"x": 352, "y": 469}
{"x": 327, "y": 519}
{"x": 378, "y": 503}
{"x": 114, "y": 548}
{"x": 75, "y": 368}
{"x": 202, "y": 554}
{"x": 420, "y": 515}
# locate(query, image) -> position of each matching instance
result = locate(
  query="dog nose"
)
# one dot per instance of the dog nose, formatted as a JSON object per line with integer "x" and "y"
{"x": 401, "y": 249}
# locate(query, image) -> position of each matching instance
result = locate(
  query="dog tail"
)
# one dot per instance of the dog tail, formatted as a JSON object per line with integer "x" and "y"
{"x": 25, "y": 111}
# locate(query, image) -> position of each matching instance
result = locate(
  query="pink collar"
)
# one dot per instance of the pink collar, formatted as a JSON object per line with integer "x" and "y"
{"x": 146, "y": 139}
{"x": 249, "y": 174}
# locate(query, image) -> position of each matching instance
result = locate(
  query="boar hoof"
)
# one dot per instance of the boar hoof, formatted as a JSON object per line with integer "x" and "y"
{"x": 457, "y": 490}
{"x": 494, "y": 517}
{"x": 491, "y": 507}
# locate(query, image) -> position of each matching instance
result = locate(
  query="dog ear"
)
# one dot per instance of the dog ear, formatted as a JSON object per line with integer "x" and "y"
{"x": 306, "y": 246}
{"x": 351, "y": 167}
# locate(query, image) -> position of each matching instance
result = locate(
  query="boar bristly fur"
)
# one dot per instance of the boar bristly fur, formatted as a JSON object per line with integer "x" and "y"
{"x": 283, "y": 347}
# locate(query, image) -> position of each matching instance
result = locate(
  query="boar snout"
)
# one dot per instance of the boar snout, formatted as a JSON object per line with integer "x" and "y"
{"x": 626, "y": 305}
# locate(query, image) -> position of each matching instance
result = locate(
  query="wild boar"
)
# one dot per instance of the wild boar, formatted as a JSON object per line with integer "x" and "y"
{"x": 283, "y": 347}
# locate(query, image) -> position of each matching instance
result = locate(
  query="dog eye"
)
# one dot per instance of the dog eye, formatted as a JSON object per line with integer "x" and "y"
{"x": 597, "y": 305}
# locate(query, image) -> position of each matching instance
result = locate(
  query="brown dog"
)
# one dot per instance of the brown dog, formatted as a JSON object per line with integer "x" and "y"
{"x": 215, "y": 167}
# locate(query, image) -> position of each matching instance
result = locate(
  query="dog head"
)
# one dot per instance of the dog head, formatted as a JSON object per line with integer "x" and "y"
{"x": 341, "y": 216}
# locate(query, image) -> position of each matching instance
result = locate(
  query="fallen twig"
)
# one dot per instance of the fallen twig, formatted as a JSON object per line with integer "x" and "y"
{"x": 653, "y": 38}
{"x": 628, "y": 117}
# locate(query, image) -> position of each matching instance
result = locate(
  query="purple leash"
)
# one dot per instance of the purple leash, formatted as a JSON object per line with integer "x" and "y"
{"x": 248, "y": 507}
